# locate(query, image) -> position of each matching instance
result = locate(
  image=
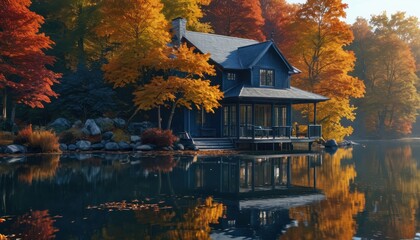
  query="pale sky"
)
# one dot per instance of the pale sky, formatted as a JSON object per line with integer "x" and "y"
{"x": 366, "y": 8}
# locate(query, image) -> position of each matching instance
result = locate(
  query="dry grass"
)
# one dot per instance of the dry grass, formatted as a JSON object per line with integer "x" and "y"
{"x": 121, "y": 135}
{"x": 44, "y": 141}
{"x": 23, "y": 135}
{"x": 71, "y": 136}
{"x": 6, "y": 138}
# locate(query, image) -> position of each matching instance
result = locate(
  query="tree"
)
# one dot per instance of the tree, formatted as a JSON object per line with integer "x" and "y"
{"x": 279, "y": 17}
{"x": 24, "y": 76}
{"x": 388, "y": 68}
{"x": 190, "y": 10}
{"x": 318, "y": 52}
{"x": 178, "y": 86}
{"x": 138, "y": 32}
{"x": 238, "y": 18}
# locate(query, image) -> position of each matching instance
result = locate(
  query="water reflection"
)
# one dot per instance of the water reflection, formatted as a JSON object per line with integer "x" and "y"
{"x": 370, "y": 192}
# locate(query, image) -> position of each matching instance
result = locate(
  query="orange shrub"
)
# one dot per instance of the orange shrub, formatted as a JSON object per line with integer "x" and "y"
{"x": 23, "y": 135}
{"x": 44, "y": 141}
{"x": 158, "y": 137}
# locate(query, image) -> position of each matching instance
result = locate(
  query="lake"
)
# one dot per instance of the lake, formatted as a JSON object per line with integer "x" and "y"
{"x": 370, "y": 191}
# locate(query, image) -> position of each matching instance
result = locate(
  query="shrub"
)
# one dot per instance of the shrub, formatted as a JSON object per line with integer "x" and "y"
{"x": 71, "y": 136}
{"x": 158, "y": 137}
{"x": 23, "y": 135}
{"x": 120, "y": 135}
{"x": 44, "y": 141}
{"x": 6, "y": 138}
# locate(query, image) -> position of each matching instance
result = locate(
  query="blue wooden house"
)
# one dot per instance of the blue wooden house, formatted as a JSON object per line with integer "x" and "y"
{"x": 258, "y": 97}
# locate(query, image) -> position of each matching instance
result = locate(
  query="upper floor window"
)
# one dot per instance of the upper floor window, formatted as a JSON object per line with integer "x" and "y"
{"x": 231, "y": 76}
{"x": 266, "y": 77}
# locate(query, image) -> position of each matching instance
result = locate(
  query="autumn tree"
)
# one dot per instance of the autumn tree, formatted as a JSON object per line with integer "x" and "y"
{"x": 190, "y": 10}
{"x": 128, "y": 25}
{"x": 238, "y": 18}
{"x": 386, "y": 64}
{"x": 24, "y": 75}
{"x": 279, "y": 17}
{"x": 319, "y": 52}
{"x": 181, "y": 85}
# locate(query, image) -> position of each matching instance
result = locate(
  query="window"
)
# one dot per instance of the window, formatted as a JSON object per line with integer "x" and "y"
{"x": 266, "y": 77}
{"x": 231, "y": 76}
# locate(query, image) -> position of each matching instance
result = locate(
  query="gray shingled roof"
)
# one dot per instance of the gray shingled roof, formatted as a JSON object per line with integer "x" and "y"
{"x": 223, "y": 49}
{"x": 294, "y": 94}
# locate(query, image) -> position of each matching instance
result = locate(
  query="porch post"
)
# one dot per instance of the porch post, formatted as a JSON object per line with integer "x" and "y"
{"x": 238, "y": 120}
{"x": 315, "y": 113}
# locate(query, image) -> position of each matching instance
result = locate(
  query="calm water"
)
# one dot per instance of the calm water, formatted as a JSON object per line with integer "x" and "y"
{"x": 370, "y": 191}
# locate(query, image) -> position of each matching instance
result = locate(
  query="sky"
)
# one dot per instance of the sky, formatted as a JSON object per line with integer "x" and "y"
{"x": 366, "y": 8}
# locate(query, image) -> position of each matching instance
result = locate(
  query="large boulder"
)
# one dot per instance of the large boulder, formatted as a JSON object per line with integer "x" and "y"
{"x": 77, "y": 124}
{"x": 72, "y": 147}
{"x": 107, "y": 136}
{"x": 124, "y": 146}
{"x": 105, "y": 124}
{"x": 331, "y": 143}
{"x": 15, "y": 148}
{"x": 145, "y": 147}
{"x": 91, "y": 128}
{"x": 112, "y": 146}
{"x": 83, "y": 145}
{"x": 63, "y": 147}
{"x": 97, "y": 146}
{"x": 135, "y": 138}
{"x": 59, "y": 125}
{"x": 119, "y": 122}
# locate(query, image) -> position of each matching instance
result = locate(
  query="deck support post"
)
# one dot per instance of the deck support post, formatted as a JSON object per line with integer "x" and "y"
{"x": 253, "y": 176}
{"x": 289, "y": 172}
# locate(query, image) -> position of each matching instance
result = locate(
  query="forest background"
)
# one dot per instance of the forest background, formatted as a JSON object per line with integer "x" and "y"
{"x": 83, "y": 59}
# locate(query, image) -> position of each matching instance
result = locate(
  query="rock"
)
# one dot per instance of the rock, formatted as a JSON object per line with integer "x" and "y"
{"x": 72, "y": 147}
{"x": 77, "y": 124}
{"x": 107, "y": 135}
{"x": 135, "y": 138}
{"x": 145, "y": 147}
{"x": 119, "y": 122}
{"x": 97, "y": 146}
{"x": 137, "y": 128}
{"x": 179, "y": 146}
{"x": 91, "y": 127}
{"x": 59, "y": 125}
{"x": 112, "y": 146}
{"x": 15, "y": 148}
{"x": 166, "y": 149}
{"x": 83, "y": 145}
{"x": 63, "y": 147}
{"x": 2, "y": 149}
{"x": 124, "y": 146}
{"x": 105, "y": 124}
{"x": 331, "y": 143}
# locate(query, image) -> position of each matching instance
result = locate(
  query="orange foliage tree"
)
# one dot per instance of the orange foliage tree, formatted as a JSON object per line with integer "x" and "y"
{"x": 24, "y": 76}
{"x": 238, "y": 18}
{"x": 318, "y": 50}
{"x": 387, "y": 65}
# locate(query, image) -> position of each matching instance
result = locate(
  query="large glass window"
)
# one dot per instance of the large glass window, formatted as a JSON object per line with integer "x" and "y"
{"x": 266, "y": 77}
{"x": 245, "y": 120}
{"x": 263, "y": 115}
{"x": 229, "y": 120}
{"x": 280, "y": 116}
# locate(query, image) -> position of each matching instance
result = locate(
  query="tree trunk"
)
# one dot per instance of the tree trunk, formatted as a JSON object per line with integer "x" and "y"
{"x": 171, "y": 115}
{"x": 159, "y": 118}
{"x": 4, "y": 116}
{"x": 13, "y": 114}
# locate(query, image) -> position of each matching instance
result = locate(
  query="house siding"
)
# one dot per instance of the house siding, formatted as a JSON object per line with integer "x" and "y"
{"x": 271, "y": 60}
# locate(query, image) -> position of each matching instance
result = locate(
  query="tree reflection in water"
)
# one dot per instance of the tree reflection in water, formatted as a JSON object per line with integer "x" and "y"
{"x": 334, "y": 217}
{"x": 391, "y": 180}
{"x": 33, "y": 225}
{"x": 39, "y": 169}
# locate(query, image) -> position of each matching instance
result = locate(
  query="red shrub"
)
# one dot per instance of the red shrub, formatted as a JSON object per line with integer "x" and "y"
{"x": 158, "y": 137}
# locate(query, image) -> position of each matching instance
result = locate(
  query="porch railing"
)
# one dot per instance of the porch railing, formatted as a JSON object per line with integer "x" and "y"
{"x": 299, "y": 131}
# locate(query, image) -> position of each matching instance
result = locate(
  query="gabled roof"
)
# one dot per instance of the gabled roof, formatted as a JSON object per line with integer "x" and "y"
{"x": 223, "y": 49}
{"x": 293, "y": 94}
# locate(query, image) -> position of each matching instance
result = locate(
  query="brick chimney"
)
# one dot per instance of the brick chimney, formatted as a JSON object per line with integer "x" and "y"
{"x": 179, "y": 26}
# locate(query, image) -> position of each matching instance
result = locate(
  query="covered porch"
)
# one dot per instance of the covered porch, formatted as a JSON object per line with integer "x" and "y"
{"x": 258, "y": 115}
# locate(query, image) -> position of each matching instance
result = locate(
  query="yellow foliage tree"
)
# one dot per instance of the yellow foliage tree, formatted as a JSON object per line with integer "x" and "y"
{"x": 179, "y": 86}
{"x": 318, "y": 52}
{"x": 138, "y": 32}
{"x": 188, "y": 9}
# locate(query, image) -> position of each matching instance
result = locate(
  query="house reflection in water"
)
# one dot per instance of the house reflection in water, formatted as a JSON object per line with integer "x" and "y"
{"x": 248, "y": 175}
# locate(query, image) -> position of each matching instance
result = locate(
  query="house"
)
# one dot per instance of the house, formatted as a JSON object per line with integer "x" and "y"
{"x": 258, "y": 97}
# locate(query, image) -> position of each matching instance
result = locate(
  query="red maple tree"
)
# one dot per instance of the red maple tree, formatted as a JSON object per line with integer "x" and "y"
{"x": 238, "y": 18}
{"x": 24, "y": 76}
